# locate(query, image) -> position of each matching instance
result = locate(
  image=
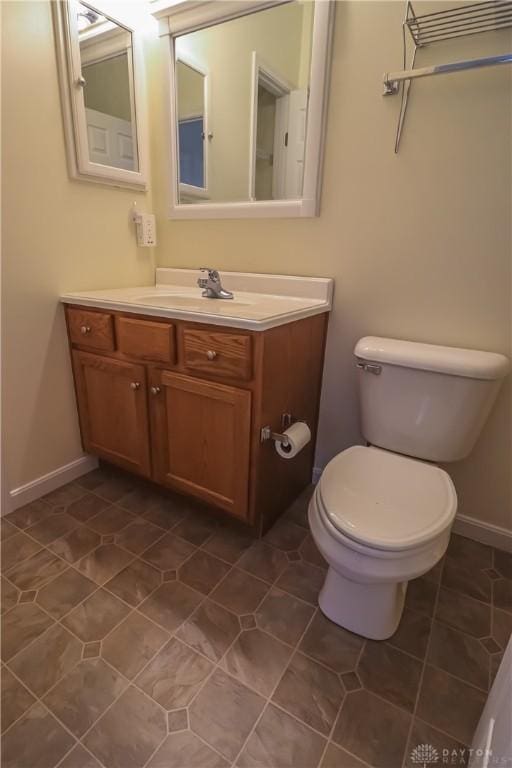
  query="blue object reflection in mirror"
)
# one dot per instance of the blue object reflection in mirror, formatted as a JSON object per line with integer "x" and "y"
{"x": 191, "y": 137}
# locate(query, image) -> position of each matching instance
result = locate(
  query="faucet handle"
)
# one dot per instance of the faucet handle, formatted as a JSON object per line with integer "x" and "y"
{"x": 212, "y": 273}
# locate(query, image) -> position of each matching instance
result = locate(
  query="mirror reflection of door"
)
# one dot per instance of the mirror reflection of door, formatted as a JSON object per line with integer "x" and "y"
{"x": 107, "y": 81}
{"x": 192, "y": 130}
{"x": 280, "y": 113}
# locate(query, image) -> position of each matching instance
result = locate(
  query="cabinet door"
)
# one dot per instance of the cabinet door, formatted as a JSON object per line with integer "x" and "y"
{"x": 112, "y": 404}
{"x": 201, "y": 439}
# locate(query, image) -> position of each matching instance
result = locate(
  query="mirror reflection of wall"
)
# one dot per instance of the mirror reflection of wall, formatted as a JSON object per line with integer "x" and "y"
{"x": 255, "y": 102}
{"x": 106, "y": 66}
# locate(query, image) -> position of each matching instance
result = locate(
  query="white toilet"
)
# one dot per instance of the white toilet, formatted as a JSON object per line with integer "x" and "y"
{"x": 378, "y": 517}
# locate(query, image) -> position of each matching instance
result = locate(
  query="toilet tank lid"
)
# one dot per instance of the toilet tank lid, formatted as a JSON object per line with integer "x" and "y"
{"x": 470, "y": 363}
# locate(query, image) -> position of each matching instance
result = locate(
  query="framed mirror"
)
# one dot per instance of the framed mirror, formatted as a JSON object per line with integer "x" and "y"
{"x": 100, "y": 69}
{"x": 247, "y": 87}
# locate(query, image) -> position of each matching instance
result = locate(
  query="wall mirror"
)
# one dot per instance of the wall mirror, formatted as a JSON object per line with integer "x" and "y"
{"x": 247, "y": 101}
{"x": 100, "y": 75}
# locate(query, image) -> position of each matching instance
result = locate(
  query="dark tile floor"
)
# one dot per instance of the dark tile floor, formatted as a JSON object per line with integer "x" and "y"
{"x": 138, "y": 631}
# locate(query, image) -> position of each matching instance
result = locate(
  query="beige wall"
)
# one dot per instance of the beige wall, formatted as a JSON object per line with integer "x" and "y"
{"x": 419, "y": 244}
{"x": 57, "y": 235}
{"x": 108, "y": 86}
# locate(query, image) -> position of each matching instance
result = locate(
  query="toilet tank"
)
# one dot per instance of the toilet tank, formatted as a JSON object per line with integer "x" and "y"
{"x": 425, "y": 400}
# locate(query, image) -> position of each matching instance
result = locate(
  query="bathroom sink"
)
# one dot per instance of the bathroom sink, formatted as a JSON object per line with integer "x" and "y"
{"x": 260, "y": 301}
{"x": 182, "y": 301}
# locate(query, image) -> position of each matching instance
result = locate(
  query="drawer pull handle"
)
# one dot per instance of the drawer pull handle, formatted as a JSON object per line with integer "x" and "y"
{"x": 135, "y": 385}
{"x": 85, "y": 329}
{"x": 211, "y": 354}
{"x": 155, "y": 390}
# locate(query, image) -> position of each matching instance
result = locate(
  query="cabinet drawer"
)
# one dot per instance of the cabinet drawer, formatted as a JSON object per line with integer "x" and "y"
{"x": 145, "y": 340}
{"x": 91, "y": 329}
{"x": 218, "y": 353}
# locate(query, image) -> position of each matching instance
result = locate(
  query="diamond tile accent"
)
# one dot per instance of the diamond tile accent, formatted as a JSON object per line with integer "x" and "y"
{"x": 91, "y": 650}
{"x": 27, "y": 597}
{"x": 247, "y": 621}
{"x": 177, "y": 720}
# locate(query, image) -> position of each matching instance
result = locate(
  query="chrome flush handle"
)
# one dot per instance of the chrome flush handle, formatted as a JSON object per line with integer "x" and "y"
{"x": 370, "y": 368}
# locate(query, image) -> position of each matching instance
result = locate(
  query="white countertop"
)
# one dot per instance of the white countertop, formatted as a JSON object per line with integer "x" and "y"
{"x": 260, "y": 302}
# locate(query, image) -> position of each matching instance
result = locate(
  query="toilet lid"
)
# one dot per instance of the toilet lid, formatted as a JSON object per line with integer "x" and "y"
{"x": 385, "y": 500}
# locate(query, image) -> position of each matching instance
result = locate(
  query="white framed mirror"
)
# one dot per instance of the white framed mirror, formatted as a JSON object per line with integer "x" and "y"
{"x": 253, "y": 76}
{"x": 102, "y": 95}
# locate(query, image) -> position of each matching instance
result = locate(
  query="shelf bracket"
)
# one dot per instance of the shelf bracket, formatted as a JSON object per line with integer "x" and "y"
{"x": 439, "y": 26}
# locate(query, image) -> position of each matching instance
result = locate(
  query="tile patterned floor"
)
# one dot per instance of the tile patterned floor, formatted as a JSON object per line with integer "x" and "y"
{"x": 138, "y": 631}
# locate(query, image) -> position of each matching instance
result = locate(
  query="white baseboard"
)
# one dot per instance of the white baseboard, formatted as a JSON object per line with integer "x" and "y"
{"x": 33, "y": 490}
{"x": 487, "y": 533}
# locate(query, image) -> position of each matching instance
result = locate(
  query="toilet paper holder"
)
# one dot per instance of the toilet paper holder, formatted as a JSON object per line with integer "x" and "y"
{"x": 286, "y": 421}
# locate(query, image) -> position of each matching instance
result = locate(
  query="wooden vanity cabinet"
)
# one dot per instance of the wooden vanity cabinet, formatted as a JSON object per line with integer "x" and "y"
{"x": 112, "y": 406}
{"x": 201, "y": 438}
{"x": 183, "y": 404}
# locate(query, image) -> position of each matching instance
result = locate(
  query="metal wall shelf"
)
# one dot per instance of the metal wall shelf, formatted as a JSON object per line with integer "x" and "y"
{"x": 449, "y": 24}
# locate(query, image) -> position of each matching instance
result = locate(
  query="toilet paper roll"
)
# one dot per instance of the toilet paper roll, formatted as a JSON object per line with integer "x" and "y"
{"x": 298, "y": 435}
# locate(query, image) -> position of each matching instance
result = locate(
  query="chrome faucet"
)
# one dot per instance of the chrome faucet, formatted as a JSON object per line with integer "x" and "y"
{"x": 212, "y": 285}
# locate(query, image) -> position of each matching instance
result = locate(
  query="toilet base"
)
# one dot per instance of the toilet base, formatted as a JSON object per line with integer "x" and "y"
{"x": 370, "y": 610}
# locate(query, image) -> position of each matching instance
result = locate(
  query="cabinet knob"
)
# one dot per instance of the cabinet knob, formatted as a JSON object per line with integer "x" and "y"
{"x": 211, "y": 354}
{"x": 85, "y": 329}
{"x": 135, "y": 384}
{"x": 155, "y": 390}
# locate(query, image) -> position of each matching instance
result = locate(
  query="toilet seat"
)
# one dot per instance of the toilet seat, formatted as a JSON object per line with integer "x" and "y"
{"x": 384, "y": 500}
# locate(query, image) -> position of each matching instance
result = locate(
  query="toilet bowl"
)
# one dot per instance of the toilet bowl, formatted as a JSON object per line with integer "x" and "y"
{"x": 381, "y": 515}
{"x": 379, "y": 520}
